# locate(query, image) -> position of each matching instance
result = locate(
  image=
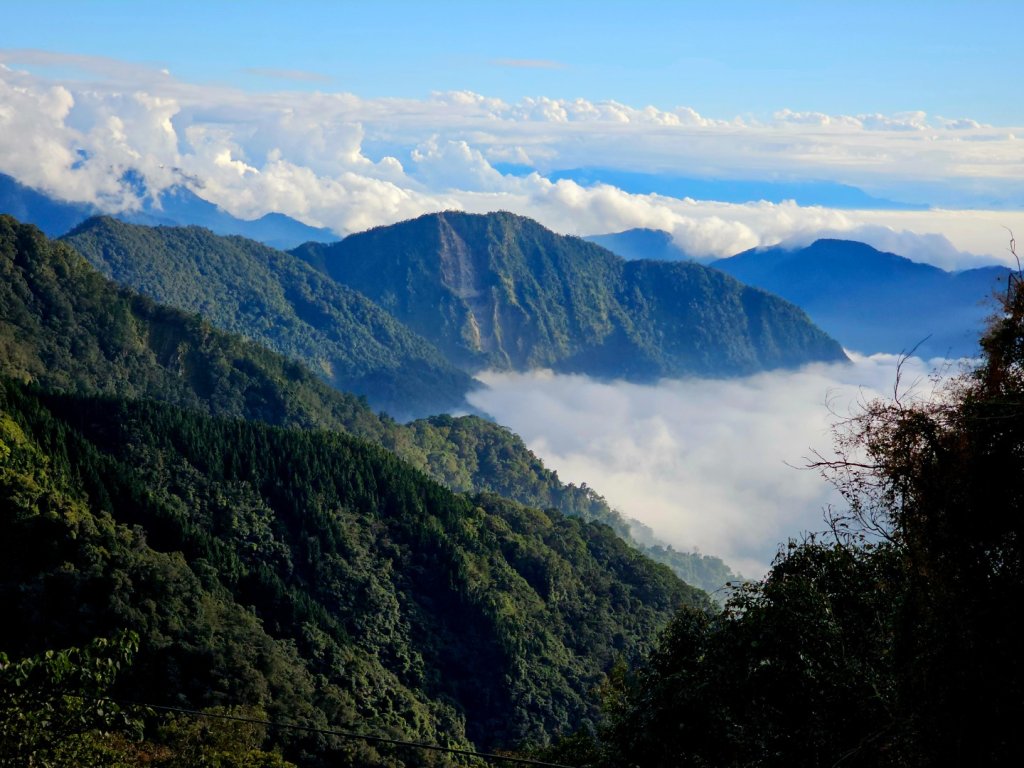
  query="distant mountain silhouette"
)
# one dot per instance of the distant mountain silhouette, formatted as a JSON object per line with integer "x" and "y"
{"x": 501, "y": 291}
{"x": 633, "y": 244}
{"x": 175, "y": 206}
{"x": 180, "y": 206}
{"x": 54, "y": 217}
{"x": 874, "y": 301}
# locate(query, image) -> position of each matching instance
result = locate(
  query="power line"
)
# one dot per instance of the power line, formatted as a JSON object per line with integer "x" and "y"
{"x": 335, "y": 732}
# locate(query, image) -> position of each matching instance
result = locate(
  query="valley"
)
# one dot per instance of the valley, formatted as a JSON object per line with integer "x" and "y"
{"x": 403, "y": 385}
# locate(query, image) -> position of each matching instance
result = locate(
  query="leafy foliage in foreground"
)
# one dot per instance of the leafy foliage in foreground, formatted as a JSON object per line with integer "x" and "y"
{"x": 269, "y": 296}
{"x": 53, "y": 707}
{"x": 310, "y": 575}
{"x": 896, "y": 645}
{"x": 56, "y": 711}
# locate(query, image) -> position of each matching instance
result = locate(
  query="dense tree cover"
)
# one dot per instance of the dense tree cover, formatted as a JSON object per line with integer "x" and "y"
{"x": 271, "y": 297}
{"x": 310, "y": 575}
{"x": 65, "y": 327}
{"x": 471, "y": 454}
{"x": 894, "y": 642}
{"x": 501, "y": 291}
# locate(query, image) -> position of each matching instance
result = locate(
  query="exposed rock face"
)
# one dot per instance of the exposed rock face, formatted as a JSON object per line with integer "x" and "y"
{"x": 501, "y": 291}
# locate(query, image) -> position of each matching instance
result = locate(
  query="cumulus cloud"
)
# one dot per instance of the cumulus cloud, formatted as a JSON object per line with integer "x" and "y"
{"x": 341, "y": 161}
{"x": 708, "y": 464}
{"x": 452, "y": 165}
{"x": 945, "y": 238}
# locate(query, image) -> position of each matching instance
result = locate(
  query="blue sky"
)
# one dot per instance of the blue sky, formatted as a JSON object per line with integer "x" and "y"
{"x": 954, "y": 59}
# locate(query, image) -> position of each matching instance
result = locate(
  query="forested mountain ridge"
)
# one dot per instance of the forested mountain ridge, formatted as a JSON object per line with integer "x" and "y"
{"x": 309, "y": 575}
{"x": 246, "y": 288}
{"x": 300, "y": 573}
{"x": 63, "y": 326}
{"x": 471, "y": 454}
{"x": 501, "y": 291}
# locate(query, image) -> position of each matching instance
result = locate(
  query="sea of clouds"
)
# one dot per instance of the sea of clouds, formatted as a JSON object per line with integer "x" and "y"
{"x": 713, "y": 465}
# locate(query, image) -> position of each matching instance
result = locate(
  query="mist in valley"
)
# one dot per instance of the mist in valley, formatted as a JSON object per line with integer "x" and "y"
{"x": 713, "y": 465}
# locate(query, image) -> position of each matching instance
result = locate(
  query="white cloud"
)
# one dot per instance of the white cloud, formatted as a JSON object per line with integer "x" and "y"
{"x": 902, "y": 121}
{"x": 453, "y": 165}
{"x": 705, "y": 463}
{"x": 306, "y": 155}
{"x": 943, "y": 237}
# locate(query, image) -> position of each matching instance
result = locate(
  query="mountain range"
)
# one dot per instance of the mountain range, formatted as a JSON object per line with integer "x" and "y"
{"x": 874, "y": 301}
{"x": 280, "y": 550}
{"x": 191, "y": 504}
{"x": 305, "y": 572}
{"x": 501, "y": 291}
{"x": 870, "y": 300}
{"x": 495, "y": 291}
{"x": 64, "y": 327}
{"x": 247, "y": 288}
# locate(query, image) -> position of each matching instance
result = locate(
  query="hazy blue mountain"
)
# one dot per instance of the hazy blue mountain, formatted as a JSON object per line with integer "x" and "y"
{"x": 633, "y": 244}
{"x": 825, "y": 193}
{"x": 180, "y": 206}
{"x": 174, "y": 206}
{"x": 874, "y": 301}
{"x": 501, "y": 291}
{"x": 54, "y": 217}
{"x": 245, "y": 287}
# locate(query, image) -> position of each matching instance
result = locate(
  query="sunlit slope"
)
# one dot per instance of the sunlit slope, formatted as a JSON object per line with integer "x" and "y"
{"x": 501, "y": 291}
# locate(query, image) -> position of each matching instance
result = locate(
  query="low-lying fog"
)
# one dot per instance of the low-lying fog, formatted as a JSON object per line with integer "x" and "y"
{"x": 709, "y": 464}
